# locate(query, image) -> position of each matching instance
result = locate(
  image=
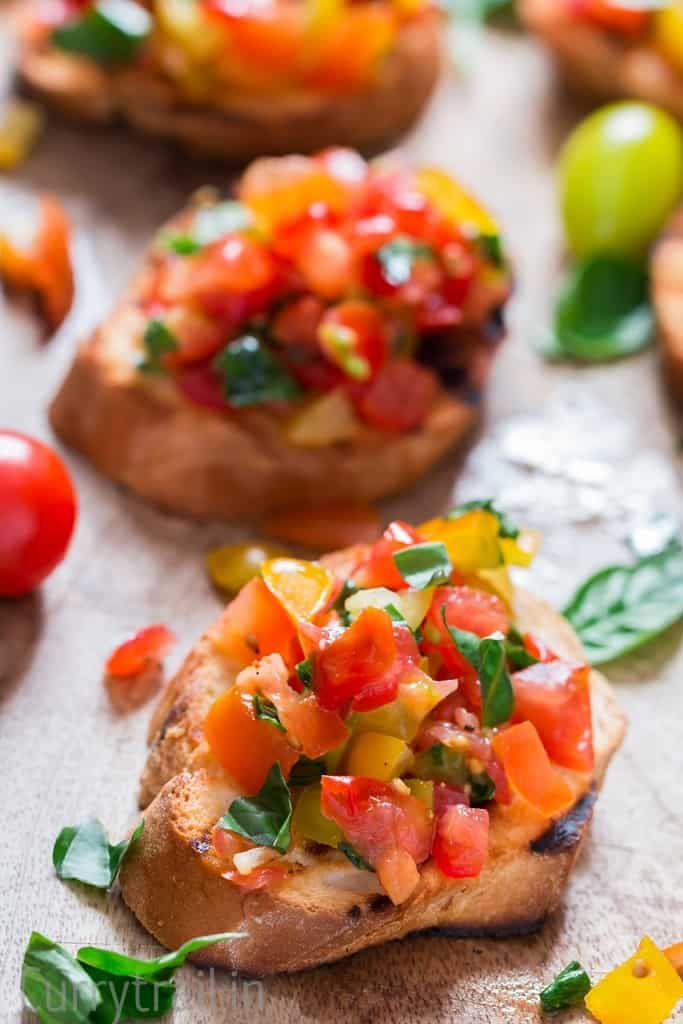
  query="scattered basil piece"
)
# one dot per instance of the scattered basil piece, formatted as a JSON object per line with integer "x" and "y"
{"x": 424, "y": 565}
{"x": 569, "y": 988}
{"x": 489, "y": 657}
{"x": 211, "y": 223}
{"x": 183, "y": 245}
{"x": 82, "y": 853}
{"x": 265, "y": 818}
{"x": 603, "y": 311}
{"x": 267, "y": 712}
{"x": 398, "y": 257}
{"x": 307, "y": 771}
{"x": 159, "y": 968}
{"x": 517, "y": 654}
{"x": 305, "y": 670}
{"x": 354, "y": 856}
{"x": 623, "y": 607}
{"x": 110, "y": 32}
{"x": 252, "y": 374}
{"x": 158, "y": 342}
{"x": 507, "y": 528}
{"x": 55, "y": 986}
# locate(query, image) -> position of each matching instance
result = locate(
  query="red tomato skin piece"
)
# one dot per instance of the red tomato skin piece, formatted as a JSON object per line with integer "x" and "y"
{"x": 399, "y": 397}
{"x": 39, "y": 509}
{"x": 555, "y": 697}
{"x": 358, "y": 667}
{"x": 461, "y": 841}
{"x": 134, "y": 655}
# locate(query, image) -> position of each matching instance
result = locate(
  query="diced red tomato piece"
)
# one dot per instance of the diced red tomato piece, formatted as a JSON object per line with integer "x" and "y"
{"x": 148, "y": 646}
{"x": 625, "y": 19}
{"x": 197, "y": 335}
{"x": 378, "y": 569}
{"x": 347, "y": 57}
{"x": 255, "y": 624}
{"x": 244, "y": 745}
{"x": 311, "y": 726}
{"x": 400, "y": 396}
{"x": 296, "y": 323}
{"x": 202, "y": 385}
{"x": 529, "y": 771}
{"x": 461, "y": 841}
{"x": 325, "y": 527}
{"x": 366, "y": 331}
{"x": 555, "y": 696}
{"x": 264, "y": 34}
{"x": 360, "y": 668}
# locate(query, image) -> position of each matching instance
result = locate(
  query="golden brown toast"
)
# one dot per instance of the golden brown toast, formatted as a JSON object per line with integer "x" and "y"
{"x": 667, "y": 298}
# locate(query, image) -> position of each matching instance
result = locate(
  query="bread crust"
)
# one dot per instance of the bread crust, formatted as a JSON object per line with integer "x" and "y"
{"x": 667, "y": 300}
{"x": 326, "y": 909}
{"x": 598, "y": 63}
{"x": 237, "y": 128}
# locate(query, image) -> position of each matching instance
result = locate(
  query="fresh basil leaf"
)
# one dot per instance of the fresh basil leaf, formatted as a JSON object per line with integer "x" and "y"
{"x": 488, "y": 656}
{"x": 129, "y": 998}
{"x": 159, "y": 968}
{"x": 267, "y": 712}
{"x": 348, "y": 590}
{"x": 569, "y": 988}
{"x": 398, "y": 257}
{"x": 623, "y": 607}
{"x": 306, "y": 771}
{"x": 603, "y": 311}
{"x": 211, "y": 223}
{"x": 82, "y": 853}
{"x": 55, "y": 986}
{"x": 304, "y": 670}
{"x": 110, "y": 32}
{"x": 466, "y": 642}
{"x": 517, "y": 654}
{"x": 491, "y": 248}
{"x": 482, "y": 789}
{"x": 505, "y": 525}
{"x": 158, "y": 341}
{"x": 183, "y": 245}
{"x": 252, "y": 374}
{"x": 354, "y": 856}
{"x": 265, "y": 818}
{"x": 424, "y": 565}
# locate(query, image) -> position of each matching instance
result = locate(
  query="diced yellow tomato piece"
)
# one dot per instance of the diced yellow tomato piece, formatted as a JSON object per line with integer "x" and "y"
{"x": 255, "y": 624}
{"x": 334, "y": 758}
{"x": 521, "y": 550}
{"x": 302, "y": 588}
{"x": 644, "y": 990}
{"x": 310, "y": 822}
{"x": 328, "y": 419}
{"x": 667, "y": 34}
{"x": 495, "y": 581}
{"x": 376, "y": 756}
{"x": 20, "y": 126}
{"x": 423, "y": 789}
{"x": 530, "y": 772}
{"x": 472, "y": 540}
{"x": 233, "y": 565}
{"x": 413, "y": 605}
{"x": 402, "y": 717}
{"x": 454, "y": 203}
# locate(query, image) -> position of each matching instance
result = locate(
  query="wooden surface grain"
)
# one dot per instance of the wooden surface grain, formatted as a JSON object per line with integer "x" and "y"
{"x": 587, "y": 454}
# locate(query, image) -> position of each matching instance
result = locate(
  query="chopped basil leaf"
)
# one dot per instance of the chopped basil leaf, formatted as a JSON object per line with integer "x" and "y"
{"x": 159, "y": 968}
{"x": 252, "y": 374}
{"x": 158, "y": 342}
{"x": 266, "y": 817}
{"x": 211, "y": 223}
{"x": 424, "y": 565}
{"x": 55, "y": 986}
{"x": 354, "y": 857}
{"x": 517, "y": 654}
{"x": 306, "y": 771}
{"x": 569, "y": 988}
{"x": 506, "y": 527}
{"x": 82, "y": 853}
{"x": 267, "y": 712}
{"x": 183, "y": 245}
{"x": 304, "y": 670}
{"x": 398, "y": 257}
{"x": 488, "y": 656}
{"x": 110, "y": 32}
{"x": 348, "y": 590}
{"x": 491, "y": 247}
{"x": 623, "y": 607}
{"x": 482, "y": 788}
{"x": 603, "y": 311}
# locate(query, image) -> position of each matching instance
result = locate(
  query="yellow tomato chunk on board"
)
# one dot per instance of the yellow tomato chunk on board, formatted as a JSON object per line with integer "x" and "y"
{"x": 644, "y": 990}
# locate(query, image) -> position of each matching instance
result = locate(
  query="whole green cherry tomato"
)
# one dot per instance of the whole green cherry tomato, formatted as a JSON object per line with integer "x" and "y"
{"x": 621, "y": 173}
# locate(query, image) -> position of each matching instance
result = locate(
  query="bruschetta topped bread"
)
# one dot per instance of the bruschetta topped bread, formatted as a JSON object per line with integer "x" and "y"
{"x": 320, "y": 338}
{"x": 615, "y": 48}
{"x": 236, "y": 80}
{"x": 388, "y": 740}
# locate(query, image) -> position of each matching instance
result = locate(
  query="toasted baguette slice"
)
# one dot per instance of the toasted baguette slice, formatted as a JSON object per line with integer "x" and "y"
{"x": 237, "y": 128}
{"x": 326, "y": 909}
{"x": 667, "y": 298}
{"x": 598, "y": 63}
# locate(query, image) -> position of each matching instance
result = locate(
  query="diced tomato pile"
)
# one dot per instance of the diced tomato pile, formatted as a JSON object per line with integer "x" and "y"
{"x": 358, "y": 680}
{"x": 335, "y": 274}
{"x": 626, "y": 19}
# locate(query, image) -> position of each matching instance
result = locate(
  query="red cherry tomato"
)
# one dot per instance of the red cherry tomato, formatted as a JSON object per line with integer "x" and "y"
{"x": 37, "y": 512}
{"x": 136, "y": 654}
{"x": 555, "y": 697}
{"x": 461, "y": 841}
{"x": 399, "y": 397}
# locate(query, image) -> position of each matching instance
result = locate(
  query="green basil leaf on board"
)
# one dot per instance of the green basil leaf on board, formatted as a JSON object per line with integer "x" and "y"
{"x": 569, "y": 988}
{"x": 265, "y": 818}
{"x": 623, "y": 607}
{"x": 55, "y": 986}
{"x": 252, "y": 374}
{"x": 158, "y": 341}
{"x": 489, "y": 657}
{"x": 267, "y": 712}
{"x": 603, "y": 311}
{"x": 354, "y": 856}
{"x": 109, "y": 32}
{"x": 506, "y": 527}
{"x": 83, "y": 853}
{"x": 159, "y": 968}
{"x": 424, "y": 565}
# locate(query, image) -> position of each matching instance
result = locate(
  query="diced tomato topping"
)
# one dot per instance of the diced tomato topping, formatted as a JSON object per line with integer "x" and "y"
{"x": 461, "y": 841}
{"x": 148, "y": 646}
{"x": 555, "y": 696}
{"x": 264, "y": 34}
{"x": 379, "y": 568}
{"x": 255, "y": 624}
{"x": 202, "y": 385}
{"x": 347, "y": 56}
{"x": 246, "y": 746}
{"x": 473, "y": 745}
{"x": 400, "y": 396}
{"x": 537, "y": 649}
{"x": 529, "y": 771}
{"x": 362, "y": 326}
{"x": 296, "y": 324}
{"x": 377, "y": 820}
{"x": 197, "y": 335}
{"x": 361, "y": 667}
{"x": 625, "y": 19}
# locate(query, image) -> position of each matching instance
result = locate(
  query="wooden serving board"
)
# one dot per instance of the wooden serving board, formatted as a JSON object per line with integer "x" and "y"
{"x": 586, "y": 454}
